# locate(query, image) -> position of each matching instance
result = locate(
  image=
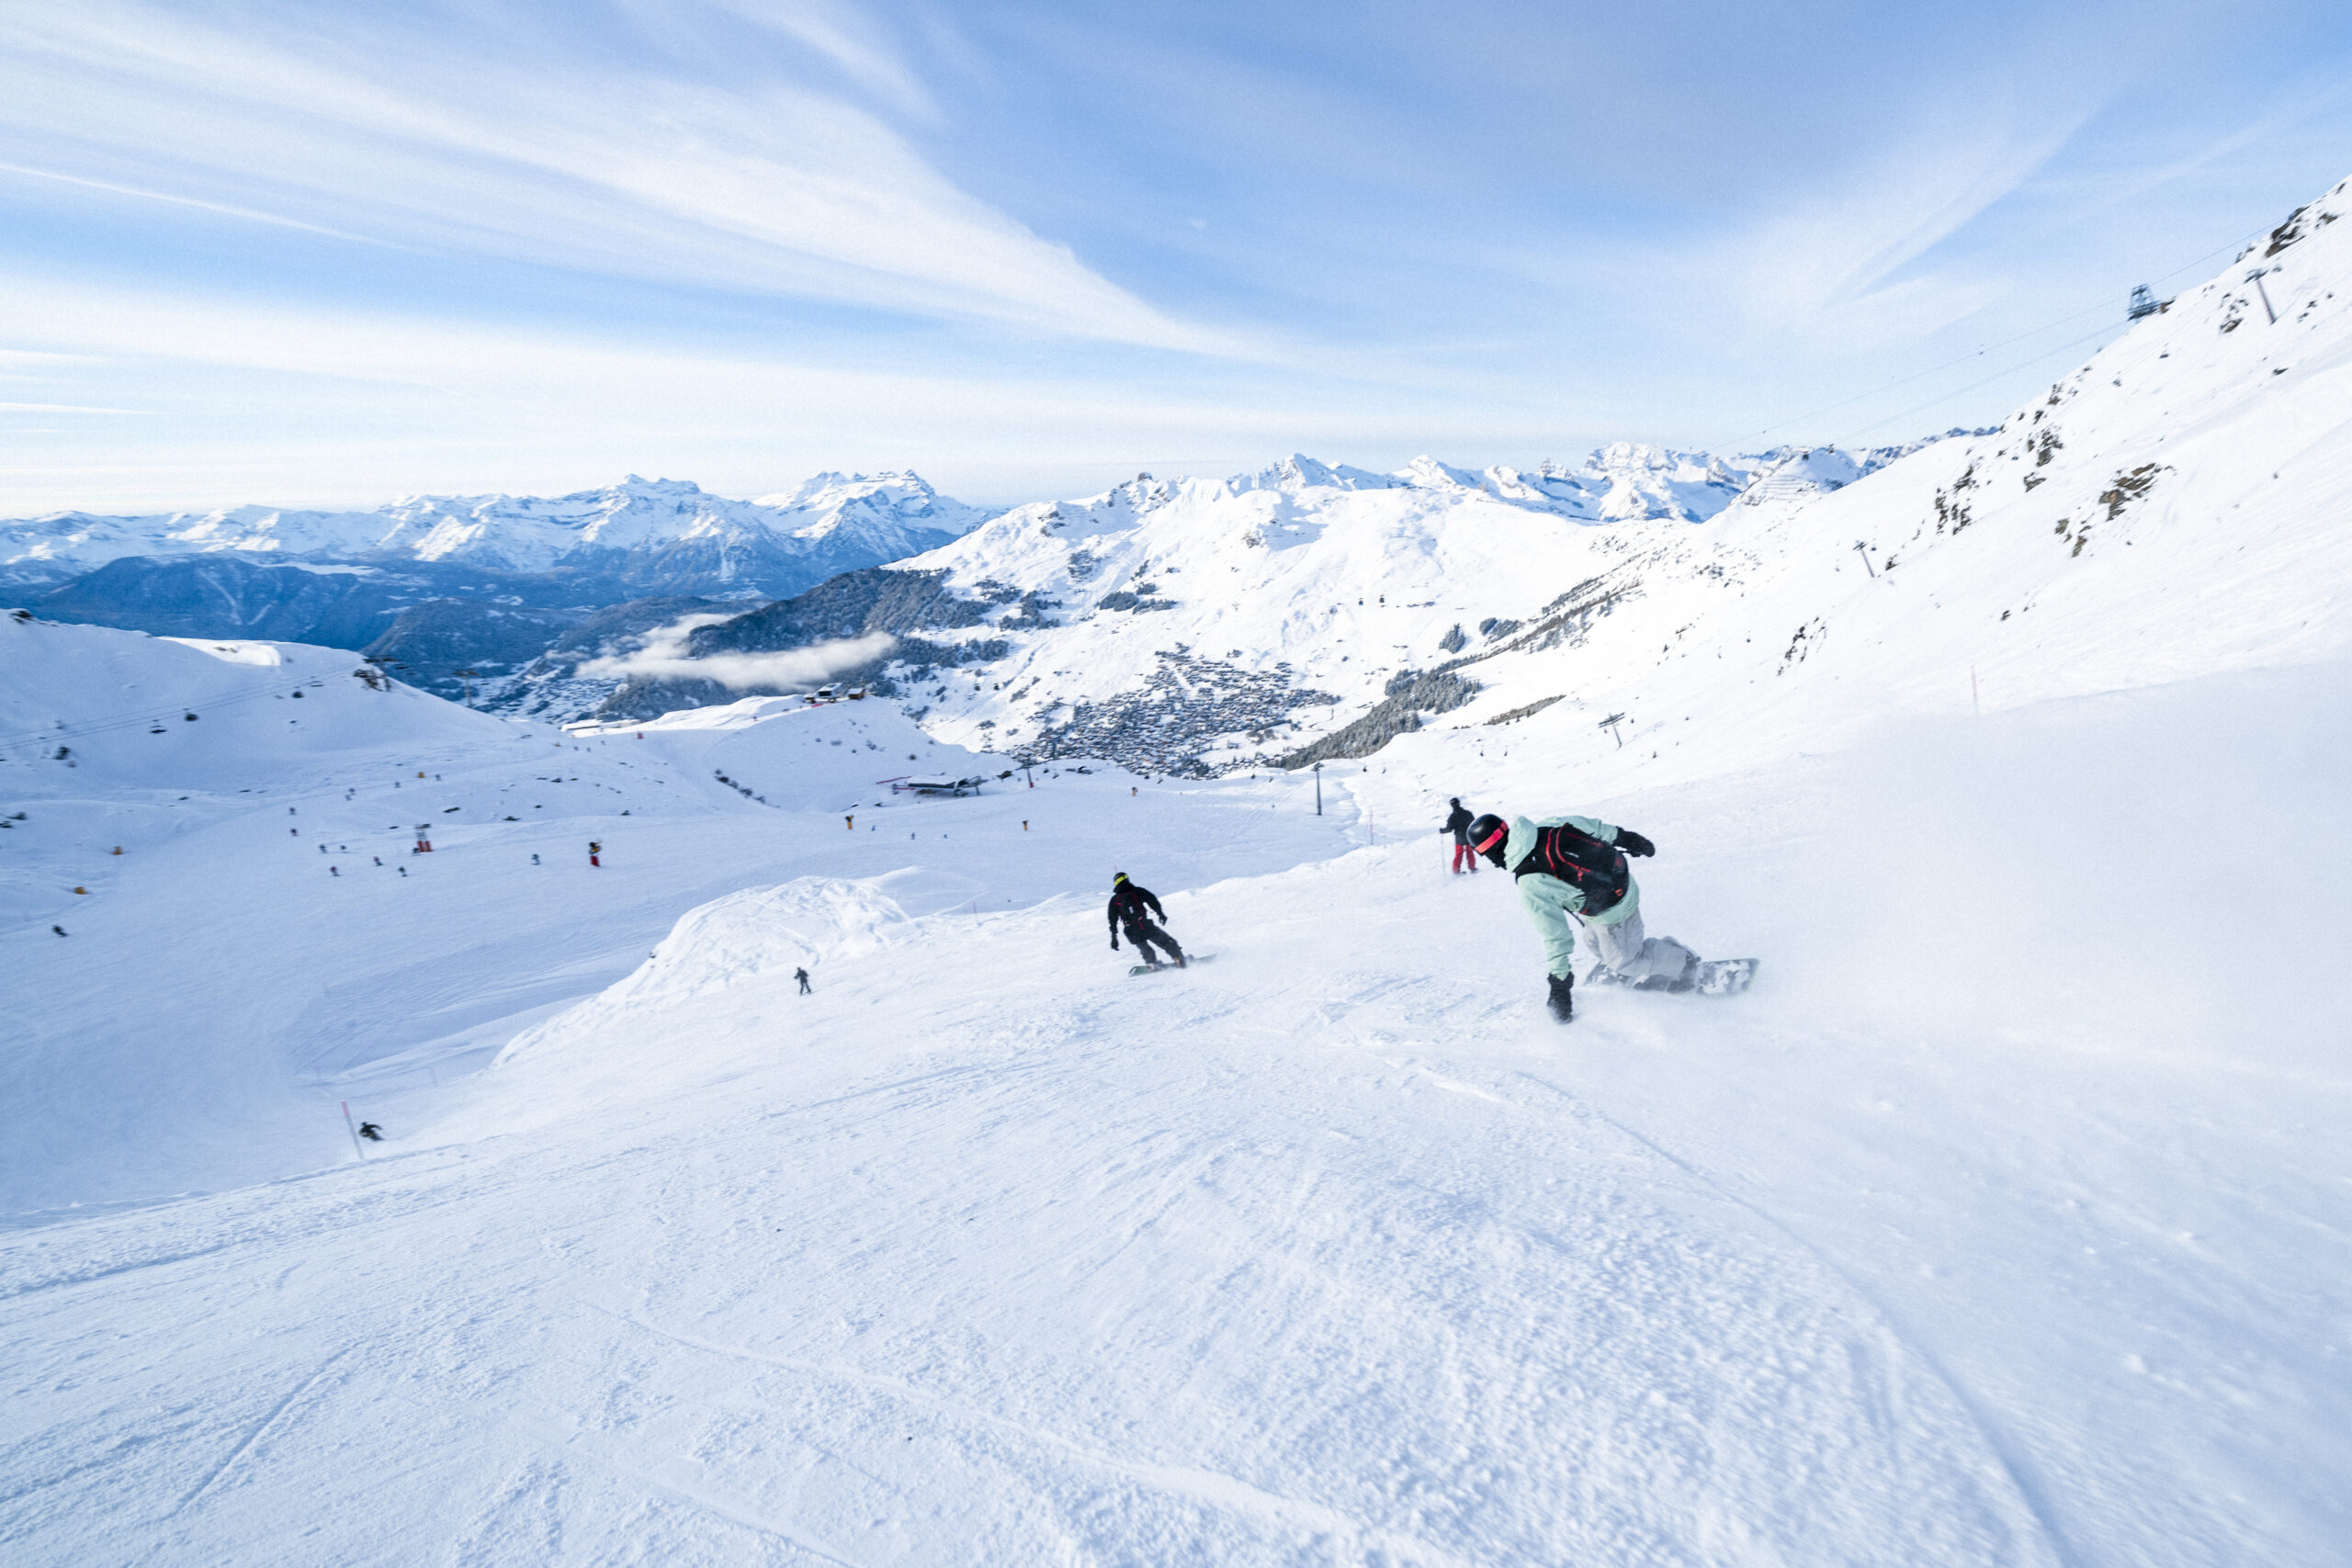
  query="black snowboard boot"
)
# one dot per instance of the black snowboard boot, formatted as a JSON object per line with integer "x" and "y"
{"x": 1563, "y": 999}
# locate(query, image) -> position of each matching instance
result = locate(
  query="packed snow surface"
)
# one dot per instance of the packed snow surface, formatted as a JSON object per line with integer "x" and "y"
{"x": 2002, "y": 1223}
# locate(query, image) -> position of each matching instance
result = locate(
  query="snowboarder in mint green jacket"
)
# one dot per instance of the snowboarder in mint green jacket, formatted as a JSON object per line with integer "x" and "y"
{"x": 1572, "y": 868}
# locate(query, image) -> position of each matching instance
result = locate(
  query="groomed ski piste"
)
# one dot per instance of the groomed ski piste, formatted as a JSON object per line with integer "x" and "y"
{"x": 2003, "y": 1221}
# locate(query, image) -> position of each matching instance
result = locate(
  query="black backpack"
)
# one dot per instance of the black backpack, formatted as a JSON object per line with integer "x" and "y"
{"x": 1595, "y": 869}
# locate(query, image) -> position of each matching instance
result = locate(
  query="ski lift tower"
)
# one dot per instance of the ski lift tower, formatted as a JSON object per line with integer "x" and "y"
{"x": 2143, "y": 303}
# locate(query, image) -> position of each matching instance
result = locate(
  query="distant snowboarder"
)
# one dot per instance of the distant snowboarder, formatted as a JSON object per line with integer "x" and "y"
{"x": 802, "y": 975}
{"x": 59, "y": 929}
{"x": 369, "y": 1131}
{"x": 1569, "y": 866}
{"x": 535, "y": 858}
{"x": 1128, "y": 902}
{"x": 1457, "y": 823}
{"x": 595, "y": 851}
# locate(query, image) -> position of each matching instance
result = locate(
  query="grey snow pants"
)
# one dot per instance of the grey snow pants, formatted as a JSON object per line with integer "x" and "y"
{"x": 1628, "y": 955}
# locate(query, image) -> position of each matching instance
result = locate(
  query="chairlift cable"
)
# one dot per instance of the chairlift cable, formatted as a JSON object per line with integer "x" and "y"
{"x": 1978, "y": 353}
{"x": 2010, "y": 370}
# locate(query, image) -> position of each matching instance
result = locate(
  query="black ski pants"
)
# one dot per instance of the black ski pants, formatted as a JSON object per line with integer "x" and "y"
{"x": 1141, "y": 934}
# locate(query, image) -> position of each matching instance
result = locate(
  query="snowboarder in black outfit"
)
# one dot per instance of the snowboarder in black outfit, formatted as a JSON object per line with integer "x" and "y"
{"x": 1128, "y": 902}
{"x": 802, "y": 975}
{"x": 1458, "y": 824}
{"x": 369, "y": 1131}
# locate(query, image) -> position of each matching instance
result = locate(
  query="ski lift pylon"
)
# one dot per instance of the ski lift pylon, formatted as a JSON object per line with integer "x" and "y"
{"x": 2143, "y": 303}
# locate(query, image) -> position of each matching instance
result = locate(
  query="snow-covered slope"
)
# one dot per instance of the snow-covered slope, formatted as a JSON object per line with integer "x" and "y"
{"x": 1986, "y": 1231}
{"x": 661, "y": 536}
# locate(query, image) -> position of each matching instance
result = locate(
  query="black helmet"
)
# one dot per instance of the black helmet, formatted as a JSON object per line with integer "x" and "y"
{"x": 1118, "y": 878}
{"x": 1486, "y": 836}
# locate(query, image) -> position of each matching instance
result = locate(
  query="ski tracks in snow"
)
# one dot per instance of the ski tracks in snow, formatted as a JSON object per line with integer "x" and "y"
{"x": 1276, "y": 1262}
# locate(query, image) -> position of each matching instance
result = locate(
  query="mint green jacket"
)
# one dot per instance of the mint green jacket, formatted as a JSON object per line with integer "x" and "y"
{"x": 1550, "y": 901}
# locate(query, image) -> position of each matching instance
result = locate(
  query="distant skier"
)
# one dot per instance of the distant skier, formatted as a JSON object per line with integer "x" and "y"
{"x": 535, "y": 858}
{"x": 369, "y": 1131}
{"x": 1128, "y": 902}
{"x": 1575, "y": 866}
{"x": 802, "y": 975}
{"x": 1458, "y": 824}
{"x": 59, "y": 929}
{"x": 595, "y": 849}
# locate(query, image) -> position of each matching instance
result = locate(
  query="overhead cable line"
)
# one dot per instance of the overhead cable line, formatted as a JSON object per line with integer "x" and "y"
{"x": 1945, "y": 397}
{"x": 1980, "y": 351}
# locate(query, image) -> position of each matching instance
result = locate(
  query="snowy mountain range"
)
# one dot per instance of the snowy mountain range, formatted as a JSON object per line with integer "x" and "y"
{"x": 660, "y": 535}
{"x": 440, "y": 584}
{"x": 2176, "y": 505}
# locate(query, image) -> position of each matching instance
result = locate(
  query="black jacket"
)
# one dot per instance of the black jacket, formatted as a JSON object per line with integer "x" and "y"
{"x": 1458, "y": 824}
{"x": 1127, "y": 905}
{"x": 1592, "y": 866}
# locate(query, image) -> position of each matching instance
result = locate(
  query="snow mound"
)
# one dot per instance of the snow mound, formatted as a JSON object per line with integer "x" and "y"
{"x": 760, "y": 934}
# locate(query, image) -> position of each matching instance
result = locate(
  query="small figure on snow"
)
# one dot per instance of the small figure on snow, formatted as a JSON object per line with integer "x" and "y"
{"x": 1457, "y": 823}
{"x": 369, "y": 1131}
{"x": 59, "y": 929}
{"x": 595, "y": 851}
{"x": 1575, "y": 866}
{"x": 1128, "y": 902}
{"x": 802, "y": 975}
{"x": 535, "y": 858}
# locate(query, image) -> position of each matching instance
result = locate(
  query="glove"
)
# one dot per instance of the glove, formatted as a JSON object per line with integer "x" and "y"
{"x": 1114, "y": 941}
{"x": 1562, "y": 999}
{"x": 1632, "y": 843}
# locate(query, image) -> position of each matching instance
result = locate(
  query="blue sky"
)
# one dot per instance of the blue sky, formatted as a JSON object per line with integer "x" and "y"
{"x": 315, "y": 254}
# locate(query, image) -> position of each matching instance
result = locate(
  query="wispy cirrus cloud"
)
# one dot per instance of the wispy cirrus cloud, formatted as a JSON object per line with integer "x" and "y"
{"x": 645, "y": 169}
{"x": 1824, "y": 266}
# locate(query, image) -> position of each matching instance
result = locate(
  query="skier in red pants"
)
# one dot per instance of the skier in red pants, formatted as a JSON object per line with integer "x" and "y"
{"x": 595, "y": 848}
{"x": 1458, "y": 824}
